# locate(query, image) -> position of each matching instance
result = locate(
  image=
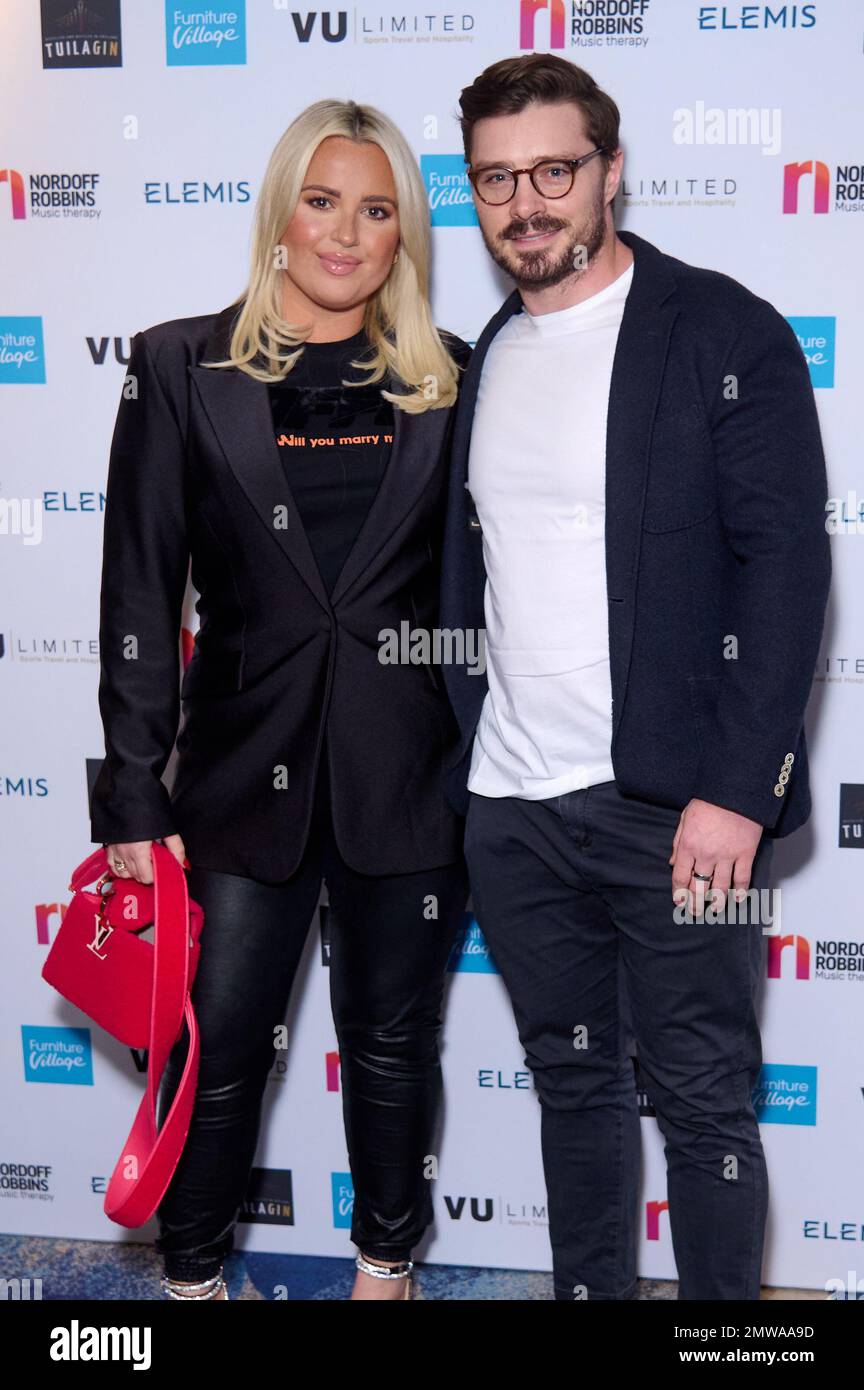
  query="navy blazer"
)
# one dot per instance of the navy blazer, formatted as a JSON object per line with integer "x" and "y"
{"x": 715, "y": 530}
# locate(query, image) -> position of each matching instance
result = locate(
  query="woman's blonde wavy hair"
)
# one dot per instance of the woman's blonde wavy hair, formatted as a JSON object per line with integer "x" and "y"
{"x": 398, "y": 319}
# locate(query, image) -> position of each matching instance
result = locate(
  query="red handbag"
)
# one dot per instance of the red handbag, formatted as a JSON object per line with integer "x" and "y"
{"x": 138, "y": 991}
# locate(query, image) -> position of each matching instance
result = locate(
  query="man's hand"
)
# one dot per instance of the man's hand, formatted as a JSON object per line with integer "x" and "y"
{"x": 712, "y": 840}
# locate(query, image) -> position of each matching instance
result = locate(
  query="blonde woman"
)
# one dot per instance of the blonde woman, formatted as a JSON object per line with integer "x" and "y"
{"x": 294, "y": 446}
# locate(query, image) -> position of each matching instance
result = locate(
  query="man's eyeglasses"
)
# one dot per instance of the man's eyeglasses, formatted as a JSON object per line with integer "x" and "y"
{"x": 552, "y": 178}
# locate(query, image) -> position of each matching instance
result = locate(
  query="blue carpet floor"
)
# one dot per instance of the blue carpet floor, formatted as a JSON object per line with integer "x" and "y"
{"x": 81, "y": 1269}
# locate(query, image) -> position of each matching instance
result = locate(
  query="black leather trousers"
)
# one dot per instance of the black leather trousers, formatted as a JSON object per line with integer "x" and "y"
{"x": 388, "y": 953}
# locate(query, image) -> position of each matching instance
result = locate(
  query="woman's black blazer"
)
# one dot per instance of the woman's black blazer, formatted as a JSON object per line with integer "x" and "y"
{"x": 195, "y": 472}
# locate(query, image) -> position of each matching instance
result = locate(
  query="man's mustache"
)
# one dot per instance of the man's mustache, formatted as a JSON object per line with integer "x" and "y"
{"x": 525, "y": 228}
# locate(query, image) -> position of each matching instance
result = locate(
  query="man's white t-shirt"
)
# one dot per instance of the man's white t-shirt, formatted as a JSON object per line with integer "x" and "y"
{"x": 537, "y": 474}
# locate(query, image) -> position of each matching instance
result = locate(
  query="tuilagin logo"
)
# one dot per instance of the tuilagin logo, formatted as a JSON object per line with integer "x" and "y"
{"x": 451, "y": 203}
{"x": 817, "y": 335}
{"x": 583, "y": 23}
{"x": 785, "y": 1095}
{"x": 22, "y": 350}
{"x": 208, "y": 36}
{"x": 807, "y": 187}
{"x": 851, "y": 815}
{"x": 81, "y": 34}
{"x": 269, "y": 1199}
{"x": 53, "y": 195}
{"x": 62, "y": 1056}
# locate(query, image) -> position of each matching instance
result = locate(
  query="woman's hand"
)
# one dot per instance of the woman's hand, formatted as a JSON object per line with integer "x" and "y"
{"x": 135, "y": 858}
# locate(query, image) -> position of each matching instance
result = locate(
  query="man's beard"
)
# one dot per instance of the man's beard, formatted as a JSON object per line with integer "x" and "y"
{"x": 538, "y": 270}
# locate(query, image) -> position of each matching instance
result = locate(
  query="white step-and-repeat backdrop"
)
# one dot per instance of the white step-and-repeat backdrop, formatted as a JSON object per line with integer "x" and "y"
{"x": 134, "y": 139}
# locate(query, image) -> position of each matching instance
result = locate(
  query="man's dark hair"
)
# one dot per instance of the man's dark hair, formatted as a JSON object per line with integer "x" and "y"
{"x": 514, "y": 83}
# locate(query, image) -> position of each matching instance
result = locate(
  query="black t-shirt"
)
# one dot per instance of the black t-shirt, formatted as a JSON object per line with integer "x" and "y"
{"x": 334, "y": 442}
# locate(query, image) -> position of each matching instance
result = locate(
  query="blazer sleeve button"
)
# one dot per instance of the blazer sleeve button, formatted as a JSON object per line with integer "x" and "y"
{"x": 779, "y": 790}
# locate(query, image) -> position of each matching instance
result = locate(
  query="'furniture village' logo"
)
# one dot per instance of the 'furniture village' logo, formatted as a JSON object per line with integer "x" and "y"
{"x": 816, "y": 336}
{"x": 206, "y": 36}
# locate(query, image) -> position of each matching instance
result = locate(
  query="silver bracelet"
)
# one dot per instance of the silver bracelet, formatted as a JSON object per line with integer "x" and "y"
{"x": 380, "y": 1272}
{"x": 213, "y": 1286}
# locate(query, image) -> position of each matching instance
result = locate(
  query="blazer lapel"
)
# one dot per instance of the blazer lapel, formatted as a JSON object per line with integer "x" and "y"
{"x": 637, "y": 374}
{"x": 467, "y": 402}
{"x": 403, "y": 474}
{"x": 238, "y": 408}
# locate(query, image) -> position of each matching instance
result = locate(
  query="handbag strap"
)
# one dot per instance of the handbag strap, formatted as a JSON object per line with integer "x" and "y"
{"x": 91, "y": 868}
{"x": 150, "y": 1155}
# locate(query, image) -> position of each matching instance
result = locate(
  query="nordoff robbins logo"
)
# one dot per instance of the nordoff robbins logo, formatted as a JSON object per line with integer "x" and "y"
{"x": 442, "y": 646}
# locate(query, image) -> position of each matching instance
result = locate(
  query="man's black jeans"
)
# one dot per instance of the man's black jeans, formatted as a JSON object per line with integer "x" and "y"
{"x": 574, "y": 897}
{"x": 389, "y": 946}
